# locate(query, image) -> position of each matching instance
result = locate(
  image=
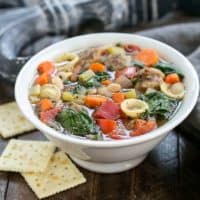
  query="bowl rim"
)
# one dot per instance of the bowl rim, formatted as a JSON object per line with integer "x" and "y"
{"x": 113, "y": 143}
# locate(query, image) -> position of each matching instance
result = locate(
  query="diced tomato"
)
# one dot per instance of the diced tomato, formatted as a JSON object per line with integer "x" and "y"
{"x": 49, "y": 115}
{"x": 107, "y": 110}
{"x": 107, "y": 125}
{"x": 141, "y": 127}
{"x": 129, "y": 72}
{"x": 115, "y": 136}
{"x": 131, "y": 47}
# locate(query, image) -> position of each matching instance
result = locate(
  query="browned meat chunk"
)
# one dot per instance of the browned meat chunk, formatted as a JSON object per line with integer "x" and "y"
{"x": 149, "y": 78}
{"x": 124, "y": 82}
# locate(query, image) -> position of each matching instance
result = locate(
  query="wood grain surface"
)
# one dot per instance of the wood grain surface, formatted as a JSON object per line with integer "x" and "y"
{"x": 171, "y": 171}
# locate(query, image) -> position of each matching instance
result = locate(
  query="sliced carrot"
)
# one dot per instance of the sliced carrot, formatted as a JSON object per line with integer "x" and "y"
{"x": 42, "y": 79}
{"x": 118, "y": 97}
{"x": 107, "y": 125}
{"x": 147, "y": 56}
{"x": 45, "y": 104}
{"x": 106, "y": 82}
{"x": 172, "y": 78}
{"x": 45, "y": 67}
{"x": 141, "y": 127}
{"x": 94, "y": 100}
{"x": 97, "y": 67}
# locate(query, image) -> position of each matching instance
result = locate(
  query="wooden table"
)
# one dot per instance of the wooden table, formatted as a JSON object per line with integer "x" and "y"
{"x": 171, "y": 171}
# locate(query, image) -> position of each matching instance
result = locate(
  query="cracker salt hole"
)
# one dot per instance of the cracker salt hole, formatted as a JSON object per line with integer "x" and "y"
{"x": 61, "y": 174}
{"x": 23, "y": 158}
{"x": 12, "y": 122}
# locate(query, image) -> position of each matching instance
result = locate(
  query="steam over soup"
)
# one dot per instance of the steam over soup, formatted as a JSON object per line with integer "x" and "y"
{"x": 109, "y": 92}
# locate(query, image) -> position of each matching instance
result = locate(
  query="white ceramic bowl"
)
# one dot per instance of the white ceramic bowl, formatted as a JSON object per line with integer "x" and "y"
{"x": 107, "y": 156}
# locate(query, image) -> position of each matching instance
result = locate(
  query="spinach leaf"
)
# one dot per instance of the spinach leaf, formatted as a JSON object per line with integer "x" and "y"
{"x": 138, "y": 63}
{"x": 91, "y": 83}
{"x": 160, "y": 106}
{"x": 95, "y": 81}
{"x": 168, "y": 68}
{"x": 77, "y": 123}
{"x": 101, "y": 76}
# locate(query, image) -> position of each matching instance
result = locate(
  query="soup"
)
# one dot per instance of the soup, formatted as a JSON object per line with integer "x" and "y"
{"x": 111, "y": 92}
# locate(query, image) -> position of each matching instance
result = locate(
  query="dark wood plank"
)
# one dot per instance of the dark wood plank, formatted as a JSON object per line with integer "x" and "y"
{"x": 18, "y": 189}
{"x": 6, "y": 92}
{"x": 157, "y": 177}
{"x": 114, "y": 186}
{"x": 189, "y": 169}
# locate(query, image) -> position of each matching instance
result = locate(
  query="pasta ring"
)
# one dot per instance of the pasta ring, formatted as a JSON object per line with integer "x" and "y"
{"x": 50, "y": 91}
{"x": 66, "y": 61}
{"x": 175, "y": 91}
{"x": 134, "y": 107}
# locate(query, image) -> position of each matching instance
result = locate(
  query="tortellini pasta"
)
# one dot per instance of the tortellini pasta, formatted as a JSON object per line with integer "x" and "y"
{"x": 134, "y": 107}
{"x": 66, "y": 61}
{"x": 175, "y": 91}
{"x": 50, "y": 91}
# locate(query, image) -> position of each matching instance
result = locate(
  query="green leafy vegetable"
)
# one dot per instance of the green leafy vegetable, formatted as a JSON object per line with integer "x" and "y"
{"x": 66, "y": 82}
{"x": 77, "y": 123}
{"x": 138, "y": 63}
{"x": 101, "y": 76}
{"x": 167, "y": 68}
{"x": 79, "y": 89}
{"x": 91, "y": 83}
{"x": 160, "y": 106}
{"x": 95, "y": 81}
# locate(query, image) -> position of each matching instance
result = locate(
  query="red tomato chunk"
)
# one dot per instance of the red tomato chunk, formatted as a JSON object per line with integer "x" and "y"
{"x": 49, "y": 115}
{"x": 108, "y": 110}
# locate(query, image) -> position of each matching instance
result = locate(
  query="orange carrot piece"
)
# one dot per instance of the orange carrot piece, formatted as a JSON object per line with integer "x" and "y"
{"x": 42, "y": 79}
{"x": 107, "y": 125}
{"x": 118, "y": 97}
{"x": 147, "y": 56}
{"x": 97, "y": 67}
{"x": 106, "y": 82}
{"x": 141, "y": 127}
{"x": 94, "y": 100}
{"x": 45, "y": 67}
{"x": 45, "y": 104}
{"x": 172, "y": 78}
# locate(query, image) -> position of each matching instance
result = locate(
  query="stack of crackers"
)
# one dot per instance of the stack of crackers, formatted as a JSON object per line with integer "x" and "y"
{"x": 47, "y": 172}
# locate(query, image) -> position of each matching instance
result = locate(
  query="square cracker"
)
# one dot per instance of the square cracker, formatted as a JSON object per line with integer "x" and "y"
{"x": 26, "y": 156}
{"x": 12, "y": 122}
{"x": 61, "y": 174}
